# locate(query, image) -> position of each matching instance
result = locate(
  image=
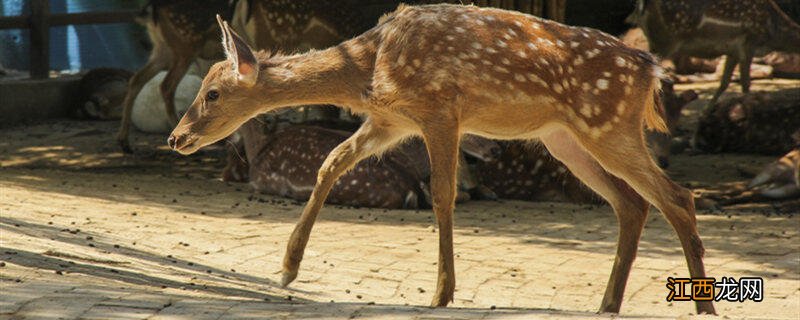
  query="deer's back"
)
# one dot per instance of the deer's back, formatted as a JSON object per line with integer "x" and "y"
{"x": 489, "y": 65}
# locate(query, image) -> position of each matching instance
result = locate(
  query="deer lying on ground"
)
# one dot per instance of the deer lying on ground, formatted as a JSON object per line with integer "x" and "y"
{"x": 284, "y": 162}
{"x": 780, "y": 179}
{"x": 101, "y": 92}
{"x": 525, "y": 171}
{"x": 760, "y": 123}
{"x": 441, "y": 71}
{"x": 708, "y": 29}
{"x": 180, "y": 32}
{"x": 278, "y": 165}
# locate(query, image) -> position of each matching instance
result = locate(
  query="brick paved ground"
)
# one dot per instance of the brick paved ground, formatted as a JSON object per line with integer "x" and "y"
{"x": 94, "y": 236}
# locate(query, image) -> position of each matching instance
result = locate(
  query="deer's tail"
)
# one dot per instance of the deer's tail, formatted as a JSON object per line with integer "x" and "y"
{"x": 654, "y": 109}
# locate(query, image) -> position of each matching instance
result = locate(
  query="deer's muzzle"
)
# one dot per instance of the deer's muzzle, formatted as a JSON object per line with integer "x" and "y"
{"x": 180, "y": 142}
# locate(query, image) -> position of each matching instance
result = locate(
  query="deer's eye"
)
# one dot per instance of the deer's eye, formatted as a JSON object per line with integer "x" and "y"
{"x": 212, "y": 95}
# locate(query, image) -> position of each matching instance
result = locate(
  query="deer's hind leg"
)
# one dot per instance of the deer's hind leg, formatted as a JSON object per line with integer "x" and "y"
{"x": 372, "y": 138}
{"x": 725, "y": 81}
{"x": 744, "y": 70}
{"x": 630, "y": 161}
{"x": 629, "y": 207}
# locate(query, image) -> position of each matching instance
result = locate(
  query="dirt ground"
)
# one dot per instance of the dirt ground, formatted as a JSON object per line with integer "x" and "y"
{"x": 87, "y": 232}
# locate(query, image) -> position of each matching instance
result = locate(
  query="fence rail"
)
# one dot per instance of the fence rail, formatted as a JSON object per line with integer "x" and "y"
{"x": 39, "y": 21}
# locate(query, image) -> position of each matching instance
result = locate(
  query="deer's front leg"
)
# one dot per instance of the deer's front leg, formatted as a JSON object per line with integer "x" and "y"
{"x": 442, "y": 144}
{"x": 371, "y": 138}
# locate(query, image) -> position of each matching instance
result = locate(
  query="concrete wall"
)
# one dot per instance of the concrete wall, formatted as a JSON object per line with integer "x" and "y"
{"x": 25, "y": 100}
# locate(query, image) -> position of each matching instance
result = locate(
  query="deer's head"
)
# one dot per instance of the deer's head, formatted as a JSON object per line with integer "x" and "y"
{"x": 224, "y": 101}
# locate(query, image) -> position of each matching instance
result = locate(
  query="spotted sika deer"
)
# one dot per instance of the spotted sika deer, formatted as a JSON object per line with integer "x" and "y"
{"x": 711, "y": 28}
{"x": 180, "y": 32}
{"x": 441, "y": 71}
{"x": 526, "y": 171}
{"x": 298, "y": 24}
{"x": 279, "y": 167}
{"x": 780, "y": 179}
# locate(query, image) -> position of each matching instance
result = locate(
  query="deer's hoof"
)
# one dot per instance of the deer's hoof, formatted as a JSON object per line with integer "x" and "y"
{"x": 608, "y": 310}
{"x": 288, "y": 277}
{"x": 441, "y": 299}
{"x": 125, "y": 146}
{"x": 439, "y": 302}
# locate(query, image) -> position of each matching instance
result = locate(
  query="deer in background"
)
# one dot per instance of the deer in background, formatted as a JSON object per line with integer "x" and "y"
{"x": 527, "y": 171}
{"x": 298, "y": 25}
{"x": 711, "y": 28}
{"x": 763, "y": 123}
{"x": 278, "y": 166}
{"x": 101, "y": 92}
{"x": 441, "y": 71}
{"x": 780, "y": 179}
{"x": 284, "y": 162}
{"x": 552, "y": 9}
{"x": 180, "y": 31}
{"x": 660, "y": 143}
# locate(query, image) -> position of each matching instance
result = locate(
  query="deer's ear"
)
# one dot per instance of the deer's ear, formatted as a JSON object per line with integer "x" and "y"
{"x": 226, "y": 44}
{"x": 244, "y": 61}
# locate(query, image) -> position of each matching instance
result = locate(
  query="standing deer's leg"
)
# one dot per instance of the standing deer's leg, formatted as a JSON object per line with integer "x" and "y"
{"x": 372, "y": 138}
{"x": 630, "y": 208}
{"x": 442, "y": 143}
{"x": 744, "y": 71}
{"x": 631, "y": 162}
{"x": 727, "y": 74}
{"x": 177, "y": 69}
{"x": 159, "y": 60}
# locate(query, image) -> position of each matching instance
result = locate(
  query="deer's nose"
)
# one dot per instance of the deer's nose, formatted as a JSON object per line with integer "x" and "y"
{"x": 172, "y": 141}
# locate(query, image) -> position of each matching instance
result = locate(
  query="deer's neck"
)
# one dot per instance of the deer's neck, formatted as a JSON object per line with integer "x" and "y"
{"x": 339, "y": 76}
